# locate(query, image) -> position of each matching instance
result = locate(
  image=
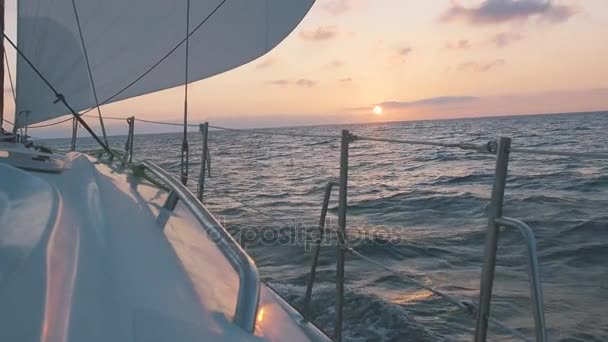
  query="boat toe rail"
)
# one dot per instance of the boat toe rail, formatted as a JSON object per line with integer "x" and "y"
{"x": 249, "y": 278}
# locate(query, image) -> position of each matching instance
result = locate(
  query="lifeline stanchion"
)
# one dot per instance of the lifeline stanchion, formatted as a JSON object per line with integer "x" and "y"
{"x": 129, "y": 143}
{"x": 342, "y": 202}
{"x": 204, "y": 129}
{"x": 315, "y": 260}
{"x": 74, "y": 134}
{"x": 491, "y": 244}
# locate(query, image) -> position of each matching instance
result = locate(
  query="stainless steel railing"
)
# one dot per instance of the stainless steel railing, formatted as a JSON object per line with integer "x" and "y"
{"x": 491, "y": 241}
{"x": 245, "y": 316}
{"x": 495, "y": 220}
{"x": 315, "y": 260}
{"x": 249, "y": 284}
{"x": 536, "y": 290}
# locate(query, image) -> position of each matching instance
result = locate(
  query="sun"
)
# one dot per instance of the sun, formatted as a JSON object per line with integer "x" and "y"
{"x": 377, "y": 110}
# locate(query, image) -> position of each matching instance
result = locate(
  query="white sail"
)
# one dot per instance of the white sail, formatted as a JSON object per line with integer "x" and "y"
{"x": 125, "y": 38}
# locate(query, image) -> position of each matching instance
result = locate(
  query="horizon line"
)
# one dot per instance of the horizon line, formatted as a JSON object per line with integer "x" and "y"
{"x": 502, "y": 116}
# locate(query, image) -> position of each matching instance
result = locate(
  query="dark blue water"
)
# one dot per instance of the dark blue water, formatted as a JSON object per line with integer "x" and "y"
{"x": 421, "y": 210}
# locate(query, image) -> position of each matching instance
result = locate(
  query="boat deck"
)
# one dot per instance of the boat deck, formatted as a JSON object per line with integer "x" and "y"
{"x": 89, "y": 253}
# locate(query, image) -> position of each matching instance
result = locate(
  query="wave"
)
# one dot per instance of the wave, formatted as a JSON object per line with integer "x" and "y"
{"x": 594, "y": 228}
{"x": 581, "y": 255}
{"x": 367, "y": 317}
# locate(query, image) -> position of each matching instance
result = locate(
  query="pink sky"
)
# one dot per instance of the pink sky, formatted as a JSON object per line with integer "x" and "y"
{"x": 416, "y": 59}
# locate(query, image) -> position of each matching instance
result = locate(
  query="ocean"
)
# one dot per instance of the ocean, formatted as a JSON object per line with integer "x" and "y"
{"x": 419, "y": 210}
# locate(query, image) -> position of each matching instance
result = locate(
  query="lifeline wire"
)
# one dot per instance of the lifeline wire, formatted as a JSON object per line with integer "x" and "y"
{"x": 467, "y": 307}
{"x": 485, "y": 148}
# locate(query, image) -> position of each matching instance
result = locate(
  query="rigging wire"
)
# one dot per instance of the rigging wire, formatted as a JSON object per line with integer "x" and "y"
{"x": 10, "y": 79}
{"x": 252, "y": 207}
{"x": 168, "y": 53}
{"x": 153, "y": 122}
{"x": 258, "y": 131}
{"x": 150, "y": 69}
{"x": 467, "y": 146}
{"x": 58, "y": 95}
{"x": 52, "y": 123}
{"x": 86, "y": 58}
{"x": 185, "y": 153}
{"x": 8, "y": 122}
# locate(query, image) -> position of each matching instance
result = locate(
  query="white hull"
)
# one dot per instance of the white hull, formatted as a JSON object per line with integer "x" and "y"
{"x": 90, "y": 254}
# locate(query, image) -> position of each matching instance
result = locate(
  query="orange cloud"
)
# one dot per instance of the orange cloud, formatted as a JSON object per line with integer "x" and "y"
{"x": 503, "y": 39}
{"x": 302, "y": 82}
{"x": 319, "y": 34}
{"x": 337, "y": 7}
{"x": 481, "y": 67}
{"x": 501, "y": 11}
{"x": 462, "y": 44}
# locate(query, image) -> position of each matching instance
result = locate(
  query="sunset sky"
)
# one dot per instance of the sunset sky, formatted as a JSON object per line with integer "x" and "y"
{"x": 414, "y": 59}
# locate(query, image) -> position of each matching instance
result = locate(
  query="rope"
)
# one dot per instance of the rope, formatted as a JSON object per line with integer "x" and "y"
{"x": 86, "y": 58}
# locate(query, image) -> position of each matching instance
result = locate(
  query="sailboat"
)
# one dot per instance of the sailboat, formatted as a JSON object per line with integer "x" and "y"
{"x": 94, "y": 250}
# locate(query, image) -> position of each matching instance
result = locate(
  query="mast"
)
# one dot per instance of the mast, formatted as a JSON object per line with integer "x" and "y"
{"x": 2, "y": 66}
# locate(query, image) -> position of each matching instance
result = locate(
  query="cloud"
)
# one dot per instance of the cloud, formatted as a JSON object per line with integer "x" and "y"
{"x": 481, "y": 67}
{"x": 266, "y": 63}
{"x": 421, "y": 103}
{"x": 501, "y": 11}
{"x": 319, "y": 34}
{"x": 560, "y": 14}
{"x": 302, "y": 82}
{"x": 503, "y": 39}
{"x": 462, "y": 44}
{"x": 432, "y": 101}
{"x": 281, "y": 82}
{"x": 400, "y": 55}
{"x": 337, "y": 7}
{"x": 336, "y": 63}
{"x": 404, "y": 51}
